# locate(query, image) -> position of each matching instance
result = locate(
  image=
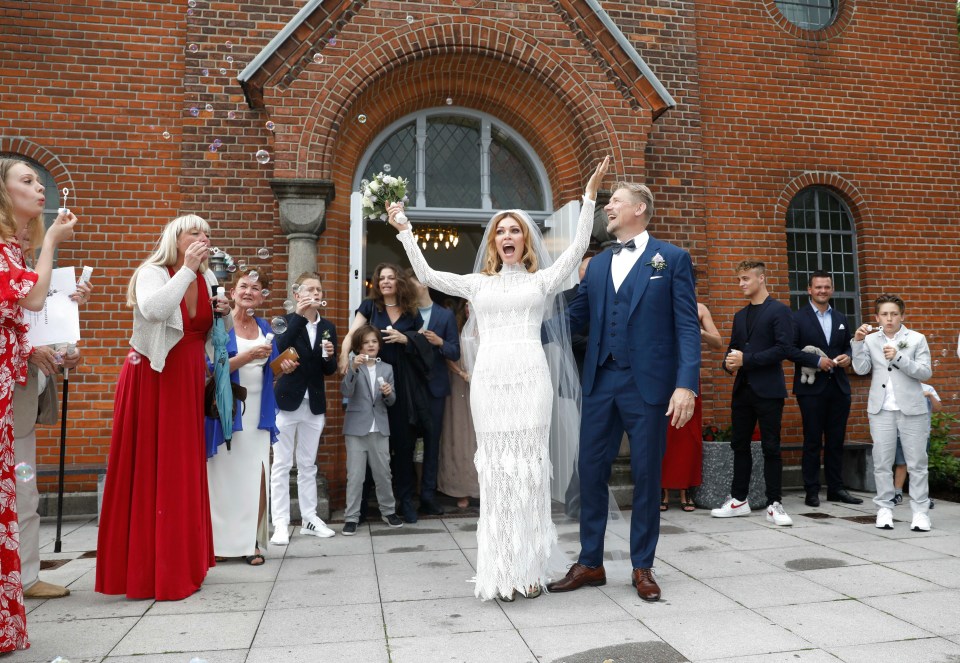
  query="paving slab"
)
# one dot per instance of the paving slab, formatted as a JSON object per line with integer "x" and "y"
{"x": 409, "y": 619}
{"x": 931, "y": 650}
{"x": 568, "y": 643}
{"x": 499, "y": 646}
{"x": 680, "y": 594}
{"x": 800, "y": 656}
{"x": 367, "y": 651}
{"x": 937, "y": 612}
{"x": 424, "y": 575}
{"x": 704, "y": 635}
{"x": 842, "y": 623}
{"x": 944, "y": 572}
{"x": 867, "y": 580}
{"x": 86, "y": 605}
{"x": 771, "y": 589}
{"x": 326, "y": 624}
{"x": 587, "y": 605}
{"x": 77, "y": 639}
{"x": 159, "y": 634}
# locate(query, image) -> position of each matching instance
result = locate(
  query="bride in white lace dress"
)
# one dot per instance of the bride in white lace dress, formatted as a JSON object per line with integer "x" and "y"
{"x": 511, "y": 390}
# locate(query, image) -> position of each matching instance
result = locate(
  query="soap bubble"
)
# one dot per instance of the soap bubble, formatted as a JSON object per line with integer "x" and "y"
{"x": 943, "y": 353}
{"x": 208, "y": 108}
{"x": 333, "y": 41}
{"x": 133, "y": 357}
{"x": 410, "y": 19}
{"x": 166, "y": 135}
{"x": 278, "y": 325}
{"x": 264, "y": 293}
{"x": 449, "y": 101}
{"x": 59, "y": 659}
{"x": 295, "y": 288}
{"x": 231, "y": 268}
{"x": 205, "y": 72}
{"x": 242, "y": 266}
{"x": 24, "y": 471}
{"x": 223, "y": 70}
{"x": 193, "y": 48}
{"x": 936, "y": 363}
{"x": 288, "y": 305}
{"x": 229, "y": 58}
{"x": 194, "y": 111}
{"x": 386, "y": 168}
{"x": 217, "y": 142}
{"x": 361, "y": 118}
{"x": 231, "y": 115}
{"x": 191, "y": 3}
{"x": 250, "y": 312}
{"x": 323, "y": 302}
{"x": 263, "y": 253}
{"x": 253, "y": 275}
{"x": 270, "y": 125}
{"x": 318, "y": 58}
{"x": 263, "y": 157}
{"x": 229, "y": 44}
{"x": 189, "y": 12}
{"x": 213, "y": 147}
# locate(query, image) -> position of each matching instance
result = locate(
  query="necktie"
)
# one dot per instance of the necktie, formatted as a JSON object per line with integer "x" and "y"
{"x": 629, "y": 245}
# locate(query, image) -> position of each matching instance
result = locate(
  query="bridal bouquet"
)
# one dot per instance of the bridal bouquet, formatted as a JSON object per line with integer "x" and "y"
{"x": 378, "y": 192}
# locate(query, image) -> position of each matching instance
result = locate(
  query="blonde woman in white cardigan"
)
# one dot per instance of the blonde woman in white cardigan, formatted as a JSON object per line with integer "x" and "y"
{"x": 155, "y": 538}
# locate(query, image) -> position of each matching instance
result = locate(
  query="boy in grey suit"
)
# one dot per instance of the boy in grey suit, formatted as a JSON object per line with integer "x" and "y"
{"x": 899, "y": 360}
{"x": 369, "y": 387}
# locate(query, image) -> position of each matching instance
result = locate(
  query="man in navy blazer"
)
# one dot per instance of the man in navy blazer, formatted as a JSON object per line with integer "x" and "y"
{"x": 302, "y": 406}
{"x": 762, "y": 338}
{"x": 640, "y": 373}
{"x": 440, "y": 330}
{"x": 824, "y": 396}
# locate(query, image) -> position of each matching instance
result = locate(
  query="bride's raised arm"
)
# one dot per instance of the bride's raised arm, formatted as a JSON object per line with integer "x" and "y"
{"x": 459, "y": 285}
{"x": 553, "y": 276}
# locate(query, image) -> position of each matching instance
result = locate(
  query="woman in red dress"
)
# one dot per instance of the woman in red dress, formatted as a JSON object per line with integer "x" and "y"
{"x": 155, "y": 538}
{"x": 682, "y": 463}
{"x": 21, "y": 215}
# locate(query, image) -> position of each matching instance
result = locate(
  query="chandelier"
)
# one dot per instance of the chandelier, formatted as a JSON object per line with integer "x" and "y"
{"x": 437, "y": 236}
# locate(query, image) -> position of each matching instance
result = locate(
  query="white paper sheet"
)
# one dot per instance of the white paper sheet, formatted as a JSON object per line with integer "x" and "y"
{"x": 59, "y": 320}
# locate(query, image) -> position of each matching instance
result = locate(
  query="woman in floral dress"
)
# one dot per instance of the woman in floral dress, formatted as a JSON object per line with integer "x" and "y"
{"x": 21, "y": 215}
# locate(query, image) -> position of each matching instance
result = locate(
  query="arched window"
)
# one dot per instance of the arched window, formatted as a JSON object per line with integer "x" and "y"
{"x": 820, "y": 235}
{"x": 51, "y": 194}
{"x": 461, "y": 164}
{"x": 809, "y": 14}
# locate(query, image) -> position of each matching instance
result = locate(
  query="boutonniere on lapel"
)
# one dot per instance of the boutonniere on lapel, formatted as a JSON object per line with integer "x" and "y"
{"x": 658, "y": 263}
{"x": 902, "y": 345}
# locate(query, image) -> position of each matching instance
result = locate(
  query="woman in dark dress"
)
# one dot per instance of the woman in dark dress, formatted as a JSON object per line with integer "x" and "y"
{"x": 392, "y": 308}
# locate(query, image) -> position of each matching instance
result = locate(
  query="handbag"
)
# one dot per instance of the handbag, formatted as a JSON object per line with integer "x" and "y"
{"x": 210, "y": 408}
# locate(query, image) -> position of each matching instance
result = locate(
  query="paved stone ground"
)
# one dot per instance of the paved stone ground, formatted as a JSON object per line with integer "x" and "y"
{"x": 827, "y": 589}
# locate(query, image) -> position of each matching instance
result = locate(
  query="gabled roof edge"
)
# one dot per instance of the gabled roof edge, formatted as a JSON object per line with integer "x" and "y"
{"x": 248, "y": 72}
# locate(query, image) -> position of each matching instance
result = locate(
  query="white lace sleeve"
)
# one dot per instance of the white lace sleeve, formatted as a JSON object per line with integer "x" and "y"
{"x": 553, "y": 276}
{"x": 459, "y": 285}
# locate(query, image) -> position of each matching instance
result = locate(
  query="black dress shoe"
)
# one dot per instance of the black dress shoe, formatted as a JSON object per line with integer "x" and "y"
{"x": 812, "y": 499}
{"x": 843, "y": 496}
{"x": 431, "y": 508}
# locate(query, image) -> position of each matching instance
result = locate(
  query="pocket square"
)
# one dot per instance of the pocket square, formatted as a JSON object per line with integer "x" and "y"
{"x": 841, "y": 327}
{"x": 655, "y": 277}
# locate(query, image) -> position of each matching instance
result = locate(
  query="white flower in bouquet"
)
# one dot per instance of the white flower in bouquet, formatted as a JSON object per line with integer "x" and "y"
{"x": 382, "y": 189}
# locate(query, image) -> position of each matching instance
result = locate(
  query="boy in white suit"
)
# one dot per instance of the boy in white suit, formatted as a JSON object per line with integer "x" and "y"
{"x": 899, "y": 360}
{"x": 369, "y": 387}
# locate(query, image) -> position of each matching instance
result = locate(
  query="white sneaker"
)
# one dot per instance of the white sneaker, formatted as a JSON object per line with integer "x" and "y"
{"x": 316, "y": 527}
{"x": 921, "y": 522}
{"x": 731, "y": 508}
{"x": 281, "y": 535}
{"x": 885, "y": 518}
{"x": 777, "y": 516}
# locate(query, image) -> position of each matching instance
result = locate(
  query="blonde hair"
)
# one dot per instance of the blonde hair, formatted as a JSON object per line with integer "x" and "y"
{"x": 165, "y": 253}
{"x": 8, "y": 220}
{"x": 492, "y": 261}
{"x": 641, "y": 194}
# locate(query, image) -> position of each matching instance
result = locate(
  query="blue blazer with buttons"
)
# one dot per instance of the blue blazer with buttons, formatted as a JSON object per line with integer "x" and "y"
{"x": 663, "y": 328}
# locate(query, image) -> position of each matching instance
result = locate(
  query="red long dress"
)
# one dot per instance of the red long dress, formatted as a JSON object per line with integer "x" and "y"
{"x": 155, "y": 538}
{"x": 683, "y": 462}
{"x": 15, "y": 283}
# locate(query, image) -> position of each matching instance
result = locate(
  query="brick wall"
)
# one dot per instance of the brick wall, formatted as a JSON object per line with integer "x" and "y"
{"x": 88, "y": 88}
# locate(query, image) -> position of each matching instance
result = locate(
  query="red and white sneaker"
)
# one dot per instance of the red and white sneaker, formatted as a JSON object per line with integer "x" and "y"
{"x": 777, "y": 516}
{"x": 731, "y": 508}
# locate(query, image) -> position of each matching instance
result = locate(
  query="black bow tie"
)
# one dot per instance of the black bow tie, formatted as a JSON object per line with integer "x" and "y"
{"x": 629, "y": 245}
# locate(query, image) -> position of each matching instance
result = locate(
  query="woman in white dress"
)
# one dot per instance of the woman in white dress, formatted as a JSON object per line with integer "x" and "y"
{"x": 236, "y": 476}
{"x": 511, "y": 297}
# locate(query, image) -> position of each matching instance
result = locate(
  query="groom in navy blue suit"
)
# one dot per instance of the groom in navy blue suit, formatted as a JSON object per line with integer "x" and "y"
{"x": 640, "y": 373}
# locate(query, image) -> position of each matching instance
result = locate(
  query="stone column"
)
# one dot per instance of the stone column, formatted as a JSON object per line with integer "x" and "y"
{"x": 303, "y": 218}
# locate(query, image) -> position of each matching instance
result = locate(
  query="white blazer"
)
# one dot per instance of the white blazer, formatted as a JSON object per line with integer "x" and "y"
{"x": 903, "y": 373}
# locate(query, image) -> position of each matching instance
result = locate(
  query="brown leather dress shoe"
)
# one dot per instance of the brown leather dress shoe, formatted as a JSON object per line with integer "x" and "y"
{"x": 578, "y": 576}
{"x": 647, "y": 587}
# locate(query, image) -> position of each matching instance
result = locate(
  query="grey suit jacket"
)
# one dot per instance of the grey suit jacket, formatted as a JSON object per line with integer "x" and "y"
{"x": 366, "y": 405}
{"x": 30, "y": 407}
{"x": 903, "y": 373}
